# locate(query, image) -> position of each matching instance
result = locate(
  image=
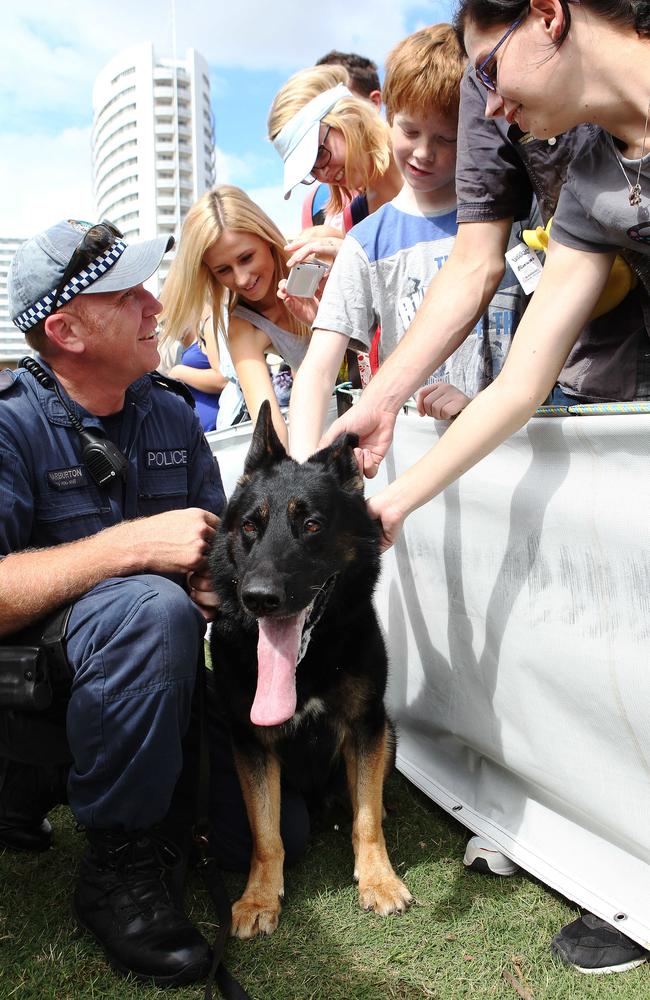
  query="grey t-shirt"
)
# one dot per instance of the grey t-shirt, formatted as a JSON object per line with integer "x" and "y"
{"x": 287, "y": 345}
{"x": 499, "y": 168}
{"x": 594, "y": 211}
{"x": 498, "y": 171}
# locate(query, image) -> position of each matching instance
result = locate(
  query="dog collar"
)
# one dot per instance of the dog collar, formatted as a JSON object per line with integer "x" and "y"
{"x": 317, "y": 610}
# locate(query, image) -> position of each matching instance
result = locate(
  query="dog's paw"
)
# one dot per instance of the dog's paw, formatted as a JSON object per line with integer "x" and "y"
{"x": 253, "y": 916}
{"x": 384, "y": 895}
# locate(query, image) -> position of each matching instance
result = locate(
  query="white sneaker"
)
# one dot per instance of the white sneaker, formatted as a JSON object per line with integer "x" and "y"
{"x": 483, "y": 855}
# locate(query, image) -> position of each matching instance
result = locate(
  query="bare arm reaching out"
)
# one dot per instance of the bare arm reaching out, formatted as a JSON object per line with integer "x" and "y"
{"x": 247, "y": 346}
{"x": 550, "y": 326}
{"x": 455, "y": 300}
{"x": 312, "y": 391}
{"x": 205, "y": 379}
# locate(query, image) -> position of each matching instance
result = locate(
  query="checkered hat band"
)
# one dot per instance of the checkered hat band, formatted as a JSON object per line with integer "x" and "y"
{"x": 90, "y": 274}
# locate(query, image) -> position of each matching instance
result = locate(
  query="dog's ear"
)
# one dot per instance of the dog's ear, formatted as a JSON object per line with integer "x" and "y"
{"x": 265, "y": 447}
{"x": 339, "y": 459}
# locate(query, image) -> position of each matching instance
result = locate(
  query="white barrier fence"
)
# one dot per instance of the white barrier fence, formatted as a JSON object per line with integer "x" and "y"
{"x": 517, "y": 612}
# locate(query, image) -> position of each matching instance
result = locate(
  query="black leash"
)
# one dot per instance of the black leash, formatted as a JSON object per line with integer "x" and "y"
{"x": 228, "y": 986}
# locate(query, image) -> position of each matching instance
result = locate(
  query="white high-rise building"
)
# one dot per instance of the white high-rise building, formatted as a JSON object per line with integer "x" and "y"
{"x": 152, "y": 142}
{"x": 12, "y": 340}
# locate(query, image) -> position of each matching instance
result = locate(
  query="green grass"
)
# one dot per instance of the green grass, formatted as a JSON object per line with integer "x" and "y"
{"x": 456, "y": 943}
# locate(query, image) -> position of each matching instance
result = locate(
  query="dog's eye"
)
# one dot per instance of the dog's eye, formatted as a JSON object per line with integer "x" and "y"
{"x": 312, "y": 526}
{"x": 248, "y": 527}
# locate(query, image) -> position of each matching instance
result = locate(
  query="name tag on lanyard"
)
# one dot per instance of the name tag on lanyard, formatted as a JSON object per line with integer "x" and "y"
{"x": 526, "y": 266}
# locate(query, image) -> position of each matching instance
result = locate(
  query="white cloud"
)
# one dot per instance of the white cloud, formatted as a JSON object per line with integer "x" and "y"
{"x": 238, "y": 170}
{"x": 285, "y": 214}
{"x": 40, "y": 72}
{"x": 44, "y": 179}
{"x": 55, "y": 183}
{"x": 52, "y": 52}
{"x": 231, "y": 169}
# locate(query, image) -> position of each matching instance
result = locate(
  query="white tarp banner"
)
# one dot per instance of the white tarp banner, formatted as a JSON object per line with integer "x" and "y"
{"x": 517, "y": 611}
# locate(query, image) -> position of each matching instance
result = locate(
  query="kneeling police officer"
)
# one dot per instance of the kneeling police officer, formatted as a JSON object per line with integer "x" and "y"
{"x": 109, "y": 500}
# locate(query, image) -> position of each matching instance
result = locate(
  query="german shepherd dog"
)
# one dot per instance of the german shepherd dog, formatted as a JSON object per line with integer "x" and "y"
{"x": 301, "y": 660}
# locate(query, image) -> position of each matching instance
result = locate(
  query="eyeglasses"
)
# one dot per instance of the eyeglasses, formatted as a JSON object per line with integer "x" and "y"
{"x": 483, "y": 74}
{"x": 323, "y": 157}
{"x": 94, "y": 241}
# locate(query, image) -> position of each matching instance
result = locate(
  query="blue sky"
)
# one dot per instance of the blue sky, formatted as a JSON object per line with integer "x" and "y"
{"x": 52, "y": 52}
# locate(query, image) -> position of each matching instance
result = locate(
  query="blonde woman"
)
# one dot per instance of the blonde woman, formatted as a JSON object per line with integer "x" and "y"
{"x": 231, "y": 256}
{"x": 323, "y": 132}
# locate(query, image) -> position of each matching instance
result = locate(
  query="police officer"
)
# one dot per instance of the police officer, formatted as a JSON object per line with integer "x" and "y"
{"x": 109, "y": 499}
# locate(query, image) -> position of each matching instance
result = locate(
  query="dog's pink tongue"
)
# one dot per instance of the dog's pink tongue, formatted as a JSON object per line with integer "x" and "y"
{"x": 277, "y": 652}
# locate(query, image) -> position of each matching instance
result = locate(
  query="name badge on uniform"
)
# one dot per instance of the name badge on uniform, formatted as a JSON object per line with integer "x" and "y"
{"x": 526, "y": 266}
{"x": 68, "y": 479}
{"x": 167, "y": 458}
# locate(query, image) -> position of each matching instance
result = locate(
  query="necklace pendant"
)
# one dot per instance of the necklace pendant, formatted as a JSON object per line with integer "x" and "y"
{"x": 635, "y": 195}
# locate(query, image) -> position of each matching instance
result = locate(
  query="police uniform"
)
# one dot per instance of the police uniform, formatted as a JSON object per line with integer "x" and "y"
{"x": 132, "y": 642}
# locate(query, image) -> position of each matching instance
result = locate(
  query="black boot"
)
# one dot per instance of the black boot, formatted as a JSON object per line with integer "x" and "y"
{"x": 123, "y": 899}
{"x": 27, "y": 793}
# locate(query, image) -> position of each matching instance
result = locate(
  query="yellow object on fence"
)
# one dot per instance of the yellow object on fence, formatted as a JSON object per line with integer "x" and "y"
{"x": 621, "y": 277}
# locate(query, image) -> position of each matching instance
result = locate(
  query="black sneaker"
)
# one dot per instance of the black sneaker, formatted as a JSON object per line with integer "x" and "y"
{"x": 27, "y": 793}
{"x": 593, "y": 946}
{"x": 124, "y": 899}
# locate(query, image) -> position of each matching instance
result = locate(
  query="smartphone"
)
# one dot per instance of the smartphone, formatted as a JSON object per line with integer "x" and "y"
{"x": 305, "y": 278}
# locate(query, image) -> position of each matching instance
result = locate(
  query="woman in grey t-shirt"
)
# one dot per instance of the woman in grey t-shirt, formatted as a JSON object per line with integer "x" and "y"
{"x": 549, "y": 66}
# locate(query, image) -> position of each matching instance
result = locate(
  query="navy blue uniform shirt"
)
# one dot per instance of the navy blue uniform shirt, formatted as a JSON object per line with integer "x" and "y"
{"x": 46, "y": 494}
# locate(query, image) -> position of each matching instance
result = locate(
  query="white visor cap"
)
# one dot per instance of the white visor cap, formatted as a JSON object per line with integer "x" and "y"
{"x": 297, "y": 143}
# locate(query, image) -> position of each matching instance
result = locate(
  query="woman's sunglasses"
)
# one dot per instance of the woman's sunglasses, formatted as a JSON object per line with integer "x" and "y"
{"x": 95, "y": 240}
{"x": 488, "y": 76}
{"x": 323, "y": 157}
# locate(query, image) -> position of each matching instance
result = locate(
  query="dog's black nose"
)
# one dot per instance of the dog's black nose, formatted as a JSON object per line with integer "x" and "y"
{"x": 261, "y": 599}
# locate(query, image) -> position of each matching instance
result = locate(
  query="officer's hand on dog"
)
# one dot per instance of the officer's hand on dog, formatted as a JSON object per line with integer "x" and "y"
{"x": 201, "y": 589}
{"x": 440, "y": 400}
{"x": 177, "y": 541}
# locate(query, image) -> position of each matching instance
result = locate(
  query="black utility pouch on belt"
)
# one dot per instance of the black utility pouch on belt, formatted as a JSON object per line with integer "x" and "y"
{"x": 34, "y": 669}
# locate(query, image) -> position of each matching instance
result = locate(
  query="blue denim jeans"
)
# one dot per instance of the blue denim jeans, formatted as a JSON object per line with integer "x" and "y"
{"x": 559, "y": 397}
